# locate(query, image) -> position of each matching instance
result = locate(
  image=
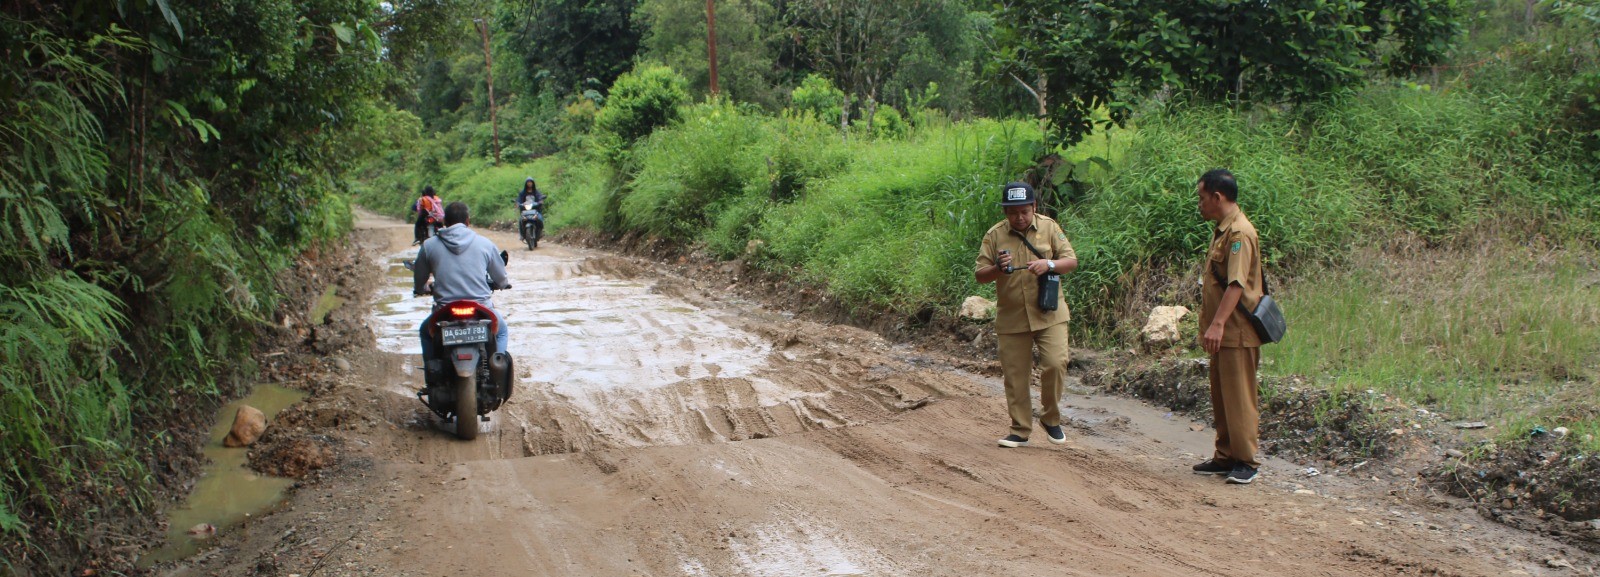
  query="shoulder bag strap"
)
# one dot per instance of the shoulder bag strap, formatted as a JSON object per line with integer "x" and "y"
{"x": 1029, "y": 244}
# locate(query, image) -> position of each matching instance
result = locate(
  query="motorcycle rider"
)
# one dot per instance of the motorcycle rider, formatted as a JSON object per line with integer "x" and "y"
{"x": 464, "y": 266}
{"x": 531, "y": 188}
{"x": 430, "y": 212}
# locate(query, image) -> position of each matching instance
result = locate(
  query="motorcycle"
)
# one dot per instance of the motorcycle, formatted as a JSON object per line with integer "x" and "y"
{"x": 463, "y": 382}
{"x": 531, "y": 225}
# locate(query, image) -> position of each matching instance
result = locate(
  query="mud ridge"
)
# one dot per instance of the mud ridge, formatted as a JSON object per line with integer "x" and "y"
{"x": 1547, "y": 485}
{"x": 1350, "y": 431}
{"x": 1299, "y": 422}
{"x": 705, "y": 428}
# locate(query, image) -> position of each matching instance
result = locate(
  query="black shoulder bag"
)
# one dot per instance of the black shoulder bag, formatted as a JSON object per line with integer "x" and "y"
{"x": 1049, "y": 283}
{"x": 1266, "y": 318}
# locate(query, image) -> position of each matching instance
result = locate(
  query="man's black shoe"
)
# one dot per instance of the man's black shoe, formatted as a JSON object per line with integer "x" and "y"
{"x": 1056, "y": 435}
{"x": 1213, "y": 467}
{"x": 1013, "y": 441}
{"x": 1242, "y": 474}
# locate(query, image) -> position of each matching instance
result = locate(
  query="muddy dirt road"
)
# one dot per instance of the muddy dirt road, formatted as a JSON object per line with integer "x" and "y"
{"x": 662, "y": 426}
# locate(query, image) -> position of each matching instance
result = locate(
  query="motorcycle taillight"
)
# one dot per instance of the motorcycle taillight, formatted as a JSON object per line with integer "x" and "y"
{"x": 464, "y": 312}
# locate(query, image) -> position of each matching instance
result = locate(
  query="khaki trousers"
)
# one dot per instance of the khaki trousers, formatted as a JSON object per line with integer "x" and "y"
{"x": 1016, "y": 361}
{"x": 1234, "y": 402}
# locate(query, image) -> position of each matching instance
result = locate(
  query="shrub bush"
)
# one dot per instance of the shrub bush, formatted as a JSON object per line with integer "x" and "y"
{"x": 640, "y": 101}
{"x": 686, "y": 173}
{"x": 817, "y": 96}
{"x": 888, "y": 123}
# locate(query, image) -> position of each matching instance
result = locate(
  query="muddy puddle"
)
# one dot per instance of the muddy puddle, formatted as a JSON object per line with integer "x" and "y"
{"x": 584, "y": 337}
{"x": 228, "y": 492}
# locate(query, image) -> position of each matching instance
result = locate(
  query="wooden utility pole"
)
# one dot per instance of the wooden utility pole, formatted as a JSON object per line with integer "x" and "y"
{"x": 711, "y": 42}
{"x": 488, "y": 62}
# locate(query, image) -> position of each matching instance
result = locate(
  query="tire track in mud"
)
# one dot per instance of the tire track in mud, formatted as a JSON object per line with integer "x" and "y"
{"x": 658, "y": 430}
{"x": 607, "y": 361}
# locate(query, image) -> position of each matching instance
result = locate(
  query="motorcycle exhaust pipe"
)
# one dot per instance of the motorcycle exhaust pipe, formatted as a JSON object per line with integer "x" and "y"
{"x": 501, "y": 369}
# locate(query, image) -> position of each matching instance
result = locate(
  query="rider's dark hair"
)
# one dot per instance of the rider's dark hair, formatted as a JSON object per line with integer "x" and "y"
{"x": 1221, "y": 181}
{"x": 455, "y": 213}
{"x": 428, "y": 191}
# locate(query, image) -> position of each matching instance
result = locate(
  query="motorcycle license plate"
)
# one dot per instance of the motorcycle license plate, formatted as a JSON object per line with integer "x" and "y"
{"x": 466, "y": 335}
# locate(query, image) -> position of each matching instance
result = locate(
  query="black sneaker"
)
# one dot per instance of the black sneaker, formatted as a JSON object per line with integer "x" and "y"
{"x": 1056, "y": 435}
{"x": 1013, "y": 441}
{"x": 1213, "y": 467}
{"x": 1241, "y": 474}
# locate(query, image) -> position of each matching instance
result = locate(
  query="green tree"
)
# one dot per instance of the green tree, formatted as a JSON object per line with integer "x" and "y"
{"x": 159, "y": 163}
{"x": 675, "y": 34}
{"x": 439, "y": 93}
{"x": 941, "y": 52}
{"x": 570, "y": 45}
{"x": 1079, "y": 57}
{"x": 641, "y": 100}
{"x": 861, "y": 45}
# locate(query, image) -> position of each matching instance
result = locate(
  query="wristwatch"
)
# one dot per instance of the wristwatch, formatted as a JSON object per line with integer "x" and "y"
{"x": 1051, "y": 264}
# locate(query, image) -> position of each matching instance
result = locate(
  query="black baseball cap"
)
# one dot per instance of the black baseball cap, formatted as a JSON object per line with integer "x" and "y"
{"x": 1017, "y": 194}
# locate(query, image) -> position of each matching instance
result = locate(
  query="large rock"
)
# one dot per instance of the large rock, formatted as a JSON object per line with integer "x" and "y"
{"x": 977, "y": 308}
{"x": 248, "y": 424}
{"x": 1162, "y": 328}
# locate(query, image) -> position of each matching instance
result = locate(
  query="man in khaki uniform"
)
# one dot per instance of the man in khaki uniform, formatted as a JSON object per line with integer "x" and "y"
{"x": 1231, "y": 277}
{"x": 1020, "y": 325}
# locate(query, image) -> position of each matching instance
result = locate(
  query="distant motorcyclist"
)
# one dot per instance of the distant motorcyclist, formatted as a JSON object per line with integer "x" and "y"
{"x": 531, "y": 189}
{"x": 429, "y": 211}
{"x": 464, "y": 266}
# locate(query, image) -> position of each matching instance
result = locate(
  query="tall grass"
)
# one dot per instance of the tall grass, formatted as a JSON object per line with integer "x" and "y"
{"x": 898, "y": 226}
{"x": 1480, "y": 334}
{"x": 1145, "y": 215}
{"x": 1321, "y": 183}
{"x": 1437, "y": 164}
{"x": 889, "y": 222}
{"x": 894, "y": 223}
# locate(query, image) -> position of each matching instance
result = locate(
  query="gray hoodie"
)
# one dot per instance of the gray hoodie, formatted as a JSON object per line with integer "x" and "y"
{"x": 462, "y": 264}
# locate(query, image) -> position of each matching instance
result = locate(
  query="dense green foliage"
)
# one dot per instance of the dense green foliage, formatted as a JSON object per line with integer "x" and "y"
{"x": 747, "y": 33}
{"x": 880, "y": 222}
{"x": 1317, "y": 185}
{"x": 1432, "y": 156}
{"x": 160, "y": 161}
{"x": 1092, "y": 55}
{"x": 641, "y": 101}
{"x": 571, "y": 45}
{"x": 817, "y": 96}
{"x": 880, "y": 50}
{"x": 158, "y": 164}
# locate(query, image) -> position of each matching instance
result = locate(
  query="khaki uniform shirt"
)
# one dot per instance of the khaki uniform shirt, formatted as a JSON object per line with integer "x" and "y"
{"x": 1018, "y": 292}
{"x": 1233, "y": 258}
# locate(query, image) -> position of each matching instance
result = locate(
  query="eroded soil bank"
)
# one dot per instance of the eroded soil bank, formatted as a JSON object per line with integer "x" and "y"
{"x": 666, "y": 425}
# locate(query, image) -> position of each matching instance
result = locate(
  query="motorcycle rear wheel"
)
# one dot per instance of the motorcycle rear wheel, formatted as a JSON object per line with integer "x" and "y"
{"x": 529, "y": 237}
{"x": 466, "y": 408}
